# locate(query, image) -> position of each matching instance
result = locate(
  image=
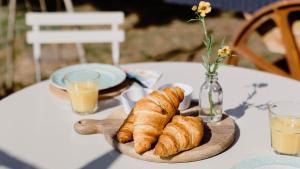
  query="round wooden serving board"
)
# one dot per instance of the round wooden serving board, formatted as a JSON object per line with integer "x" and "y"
{"x": 217, "y": 138}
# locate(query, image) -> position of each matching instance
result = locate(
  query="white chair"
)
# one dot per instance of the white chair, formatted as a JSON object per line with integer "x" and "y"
{"x": 37, "y": 37}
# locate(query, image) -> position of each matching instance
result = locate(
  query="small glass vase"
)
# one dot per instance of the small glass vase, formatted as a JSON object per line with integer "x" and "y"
{"x": 211, "y": 99}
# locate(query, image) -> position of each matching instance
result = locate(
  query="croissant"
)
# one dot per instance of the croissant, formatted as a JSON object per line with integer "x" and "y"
{"x": 125, "y": 132}
{"x": 152, "y": 113}
{"x": 182, "y": 133}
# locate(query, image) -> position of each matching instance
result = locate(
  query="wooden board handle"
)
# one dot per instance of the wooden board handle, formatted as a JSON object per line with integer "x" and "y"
{"x": 89, "y": 126}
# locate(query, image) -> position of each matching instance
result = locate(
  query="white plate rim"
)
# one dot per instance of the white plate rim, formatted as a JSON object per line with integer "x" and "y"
{"x": 92, "y": 64}
{"x": 255, "y": 162}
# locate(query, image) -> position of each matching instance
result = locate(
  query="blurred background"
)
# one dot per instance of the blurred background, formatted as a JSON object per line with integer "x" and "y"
{"x": 156, "y": 30}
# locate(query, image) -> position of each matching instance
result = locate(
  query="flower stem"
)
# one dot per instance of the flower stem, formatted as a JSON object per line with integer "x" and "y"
{"x": 204, "y": 29}
{"x": 216, "y": 64}
{"x": 211, "y": 104}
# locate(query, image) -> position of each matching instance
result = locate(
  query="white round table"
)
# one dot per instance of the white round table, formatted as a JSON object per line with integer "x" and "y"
{"x": 36, "y": 128}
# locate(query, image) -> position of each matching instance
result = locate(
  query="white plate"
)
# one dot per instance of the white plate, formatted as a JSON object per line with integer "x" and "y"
{"x": 270, "y": 162}
{"x": 110, "y": 76}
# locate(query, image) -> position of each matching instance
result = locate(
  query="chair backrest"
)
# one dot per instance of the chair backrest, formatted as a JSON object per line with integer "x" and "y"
{"x": 36, "y": 20}
{"x": 37, "y": 36}
{"x": 278, "y": 13}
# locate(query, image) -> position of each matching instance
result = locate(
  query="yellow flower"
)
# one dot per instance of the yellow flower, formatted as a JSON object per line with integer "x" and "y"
{"x": 204, "y": 8}
{"x": 194, "y": 8}
{"x": 224, "y": 51}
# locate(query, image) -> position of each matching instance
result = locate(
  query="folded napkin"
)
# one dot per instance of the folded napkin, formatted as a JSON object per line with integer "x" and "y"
{"x": 146, "y": 77}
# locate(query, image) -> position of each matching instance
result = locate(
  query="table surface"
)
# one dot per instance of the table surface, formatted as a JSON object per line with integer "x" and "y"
{"x": 36, "y": 129}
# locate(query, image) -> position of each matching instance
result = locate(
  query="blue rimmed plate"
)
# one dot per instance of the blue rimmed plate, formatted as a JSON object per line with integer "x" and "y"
{"x": 269, "y": 162}
{"x": 111, "y": 76}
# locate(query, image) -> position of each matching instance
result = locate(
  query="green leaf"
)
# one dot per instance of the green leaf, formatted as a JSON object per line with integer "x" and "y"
{"x": 205, "y": 62}
{"x": 209, "y": 48}
{"x": 211, "y": 39}
{"x": 193, "y": 20}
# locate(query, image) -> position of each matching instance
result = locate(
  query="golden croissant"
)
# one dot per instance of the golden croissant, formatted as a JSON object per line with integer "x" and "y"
{"x": 125, "y": 132}
{"x": 182, "y": 133}
{"x": 152, "y": 113}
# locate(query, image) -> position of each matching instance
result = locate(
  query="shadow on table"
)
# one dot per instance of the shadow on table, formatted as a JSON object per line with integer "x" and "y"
{"x": 240, "y": 110}
{"x": 11, "y": 162}
{"x": 103, "y": 161}
{"x": 106, "y": 104}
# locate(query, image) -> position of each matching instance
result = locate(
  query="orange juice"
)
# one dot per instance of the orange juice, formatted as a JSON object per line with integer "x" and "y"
{"x": 84, "y": 96}
{"x": 285, "y": 135}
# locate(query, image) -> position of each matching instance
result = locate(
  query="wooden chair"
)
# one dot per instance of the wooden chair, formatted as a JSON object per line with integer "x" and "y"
{"x": 279, "y": 13}
{"x": 37, "y": 37}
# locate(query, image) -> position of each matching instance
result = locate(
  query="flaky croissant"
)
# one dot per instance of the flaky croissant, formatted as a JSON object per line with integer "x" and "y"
{"x": 126, "y": 130}
{"x": 152, "y": 113}
{"x": 182, "y": 133}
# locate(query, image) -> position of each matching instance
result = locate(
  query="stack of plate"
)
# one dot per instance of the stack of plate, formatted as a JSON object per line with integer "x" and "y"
{"x": 112, "y": 79}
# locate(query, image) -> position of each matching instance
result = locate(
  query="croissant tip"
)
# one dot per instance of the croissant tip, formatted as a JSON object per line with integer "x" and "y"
{"x": 140, "y": 150}
{"x": 180, "y": 92}
{"x": 179, "y": 88}
{"x": 159, "y": 150}
{"x": 141, "y": 147}
{"x": 123, "y": 138}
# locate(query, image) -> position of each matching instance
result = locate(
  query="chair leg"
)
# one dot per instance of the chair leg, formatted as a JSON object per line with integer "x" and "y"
{"x": 115, "y": 53}
{"x": 80, "y": 49}
{"x": 36, "y": 58}
{"x": 81, "y": 53}
{"x": 10, "y": 43}
{"x": 37, "y": 69}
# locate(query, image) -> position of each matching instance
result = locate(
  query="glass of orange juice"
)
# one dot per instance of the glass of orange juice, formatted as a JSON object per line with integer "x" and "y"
{"x": 83, "y": 87}
{"x": 285, "y": 127}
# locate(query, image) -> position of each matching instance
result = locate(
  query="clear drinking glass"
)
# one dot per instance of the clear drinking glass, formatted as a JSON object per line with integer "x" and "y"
{"x": 285, "y": 127}
{"x": 211, "y": 99}
{"x": 83, "y": 87}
